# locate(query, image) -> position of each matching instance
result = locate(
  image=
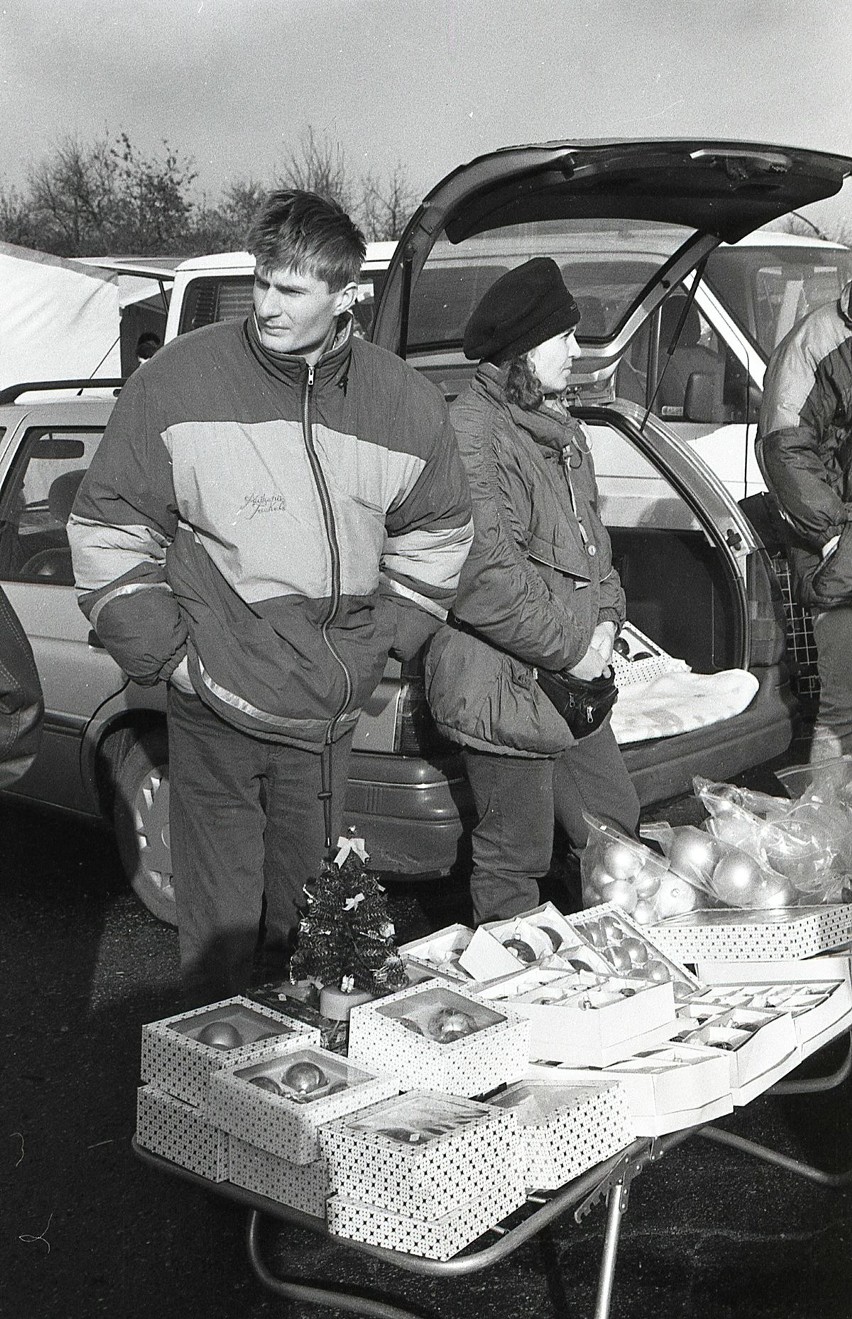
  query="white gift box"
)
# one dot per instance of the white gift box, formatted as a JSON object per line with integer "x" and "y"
{"x": 565, "y": 1128}
{"x": 181, "y": 1132}
{"x": 632, "y": 950}
{"x": 302, "y": 1186}
{"x": 584, "y": 1019}
{"x": 177, "y": 1061}
{"x": 437, "y": 1037}
{"x": 437, "y": 1238}
{"x": 761, "y": 1046}
{"x": 282, "y": 1119}
{"x": 439, "y": 953}
{"x": 667, "y": 1089}
{"x": 500, "y": 947}
{"x": 423, "y": 1153}
{"x": 817, "y": 994}
{"x": 729, "y": 934}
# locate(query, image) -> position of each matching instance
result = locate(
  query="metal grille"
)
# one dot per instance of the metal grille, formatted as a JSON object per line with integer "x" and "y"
{"x": 801, "y": 647}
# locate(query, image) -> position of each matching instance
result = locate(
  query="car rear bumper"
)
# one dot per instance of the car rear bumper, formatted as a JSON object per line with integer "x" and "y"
{"x": 415, "y": 815}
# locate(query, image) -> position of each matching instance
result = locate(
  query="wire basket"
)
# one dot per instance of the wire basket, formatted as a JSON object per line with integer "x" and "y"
{"x": 801, "y": 647}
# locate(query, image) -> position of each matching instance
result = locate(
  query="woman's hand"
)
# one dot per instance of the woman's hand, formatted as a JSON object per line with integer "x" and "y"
{"x": 592, "y": 665}
{"x": 603, "y": 639}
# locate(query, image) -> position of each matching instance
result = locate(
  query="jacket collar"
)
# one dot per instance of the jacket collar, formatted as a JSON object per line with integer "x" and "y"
{"x": 332, "y": 367}
{"x": 547, "y": 428}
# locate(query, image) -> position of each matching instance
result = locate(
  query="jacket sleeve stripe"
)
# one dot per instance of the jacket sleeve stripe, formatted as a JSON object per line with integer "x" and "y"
{"x": 103, "y": 553}
{"x": 129, "y": 589}
{"x": 432, "y": 558}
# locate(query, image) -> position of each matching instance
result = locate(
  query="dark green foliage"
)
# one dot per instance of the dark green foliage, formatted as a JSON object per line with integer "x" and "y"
{"x": 346, "y": 937}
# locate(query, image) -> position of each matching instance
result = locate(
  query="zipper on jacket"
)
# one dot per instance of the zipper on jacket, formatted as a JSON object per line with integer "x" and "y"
{"x": 334, "y": 547}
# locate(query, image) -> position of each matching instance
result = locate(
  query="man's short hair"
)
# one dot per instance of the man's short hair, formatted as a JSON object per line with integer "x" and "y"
{"x": 301, "y": 231}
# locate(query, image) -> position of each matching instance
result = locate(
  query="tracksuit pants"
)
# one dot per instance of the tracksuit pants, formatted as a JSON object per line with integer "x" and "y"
{"x": 517, "y": 801}
{"x": 246, "y": 823}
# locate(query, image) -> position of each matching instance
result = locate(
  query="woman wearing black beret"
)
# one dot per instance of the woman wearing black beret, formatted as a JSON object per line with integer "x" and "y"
{"x": 538, "y": 600}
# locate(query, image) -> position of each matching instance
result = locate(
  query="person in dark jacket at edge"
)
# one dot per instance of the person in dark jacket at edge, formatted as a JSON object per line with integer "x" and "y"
{"x": 804, "y": 448}
{"x": 21, "y": 700}
{"x": 537, "y": 592}
{"x": 276, "y": 506}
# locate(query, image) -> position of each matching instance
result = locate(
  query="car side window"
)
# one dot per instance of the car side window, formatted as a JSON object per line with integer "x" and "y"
{"x": 700, "y": 380}
{"x": 36, "y": 504}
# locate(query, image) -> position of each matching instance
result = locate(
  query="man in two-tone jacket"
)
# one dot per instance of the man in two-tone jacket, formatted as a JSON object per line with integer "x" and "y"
{"x": 804, "y": 448}
{"x": 275, "y": 507}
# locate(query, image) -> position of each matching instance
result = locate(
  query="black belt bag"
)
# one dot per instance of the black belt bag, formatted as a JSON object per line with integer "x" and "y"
{"x": 584, "y": 703}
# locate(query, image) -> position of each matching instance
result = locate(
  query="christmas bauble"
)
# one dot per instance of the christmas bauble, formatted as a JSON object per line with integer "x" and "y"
{"x": 644, "y": 913}
{"x": 620, "y": 861}
{"x": 611, "y": 928}
{"x": 775, "y": 891}
{"x": 619, "y": 959}
{"x": 220, "y": 1035}
{"x": 304, "y": 1077}
{"x": 598, "y": 876}
{"x": 736, "y": 879}
{"x": 553, "y": 935}
{"x": 621, "y": 893}
{"x": 521, "y": 949}
{"x": 647, "y": 880}
{"x": 636, "y": 950}
{"x": 658, "y": 972}
{"x": 675, "y": 897}
{"x": 694, "y": 853}
{"x": 265, "y": 1083}
{"x": 449, "y": 1024}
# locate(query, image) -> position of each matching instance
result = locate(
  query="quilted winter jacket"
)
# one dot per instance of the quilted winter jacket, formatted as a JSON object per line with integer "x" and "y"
{"x": 804, "y": 448}
{"x": 538, "y": 579}
{"x": 282, "y": 525}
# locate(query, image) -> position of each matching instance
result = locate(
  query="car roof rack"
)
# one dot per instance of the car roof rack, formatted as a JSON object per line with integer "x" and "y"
{"x": 13, "y": 392}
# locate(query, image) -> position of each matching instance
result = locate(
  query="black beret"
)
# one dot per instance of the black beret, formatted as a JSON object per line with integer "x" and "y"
{"x": 522, "y": 309}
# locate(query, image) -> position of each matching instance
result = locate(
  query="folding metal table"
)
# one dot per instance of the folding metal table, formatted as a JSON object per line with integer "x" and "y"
{"x": 610, "y": 1179}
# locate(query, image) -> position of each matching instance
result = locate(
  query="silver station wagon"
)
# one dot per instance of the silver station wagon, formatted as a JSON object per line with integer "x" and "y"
{"x": 701, "y": 592}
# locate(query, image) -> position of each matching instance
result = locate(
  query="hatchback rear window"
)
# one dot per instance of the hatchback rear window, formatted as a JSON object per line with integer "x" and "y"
{"x": 606, "y": 265}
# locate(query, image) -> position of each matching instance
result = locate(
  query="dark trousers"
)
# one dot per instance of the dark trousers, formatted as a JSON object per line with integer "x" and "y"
{"x": 246, "y": 822}
{"x": 517, "y": 801}
{"x": 833, "y": 727}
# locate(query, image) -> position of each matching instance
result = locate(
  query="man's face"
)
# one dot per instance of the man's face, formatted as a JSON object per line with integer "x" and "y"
{"x": 297, "y": 313}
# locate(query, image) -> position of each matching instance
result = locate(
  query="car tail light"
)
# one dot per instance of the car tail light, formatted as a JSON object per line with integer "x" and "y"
{"x": 416, "y": 733}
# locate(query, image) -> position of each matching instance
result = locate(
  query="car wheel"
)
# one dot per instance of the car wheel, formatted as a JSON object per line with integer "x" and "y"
{"x": 141, "y": 819}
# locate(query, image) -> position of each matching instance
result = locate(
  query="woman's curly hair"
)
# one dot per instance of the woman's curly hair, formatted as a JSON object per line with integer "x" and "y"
{"x": 522, "y": 387}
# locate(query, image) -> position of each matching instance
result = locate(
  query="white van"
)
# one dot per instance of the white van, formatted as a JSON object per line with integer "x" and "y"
{"x": 219, "y": 288}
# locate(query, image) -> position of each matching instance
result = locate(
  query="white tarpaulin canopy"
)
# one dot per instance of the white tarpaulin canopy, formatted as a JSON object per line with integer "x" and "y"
{"x": 59, "y": 320}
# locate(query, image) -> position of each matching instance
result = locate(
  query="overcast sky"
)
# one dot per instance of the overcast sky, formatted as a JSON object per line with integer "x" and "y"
{"x": 425, "y": 84}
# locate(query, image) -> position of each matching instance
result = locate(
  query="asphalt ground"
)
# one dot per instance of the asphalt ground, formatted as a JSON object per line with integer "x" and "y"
{"x": 86, "y": 1229}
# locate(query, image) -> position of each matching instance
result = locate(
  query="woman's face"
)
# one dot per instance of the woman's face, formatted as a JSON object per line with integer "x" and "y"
{"x": 552, "y": 361}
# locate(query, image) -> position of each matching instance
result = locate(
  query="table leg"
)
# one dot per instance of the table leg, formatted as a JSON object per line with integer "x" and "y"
{"x": 616, "y": 1206}
{"x": 767, "y": 1155}
{"x": 304, "y": 1291}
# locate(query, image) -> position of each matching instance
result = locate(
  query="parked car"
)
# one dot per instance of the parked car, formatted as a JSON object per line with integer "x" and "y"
{"x": 696, "y": 574}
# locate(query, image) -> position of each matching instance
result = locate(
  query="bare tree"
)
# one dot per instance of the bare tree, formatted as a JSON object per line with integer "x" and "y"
{"x": 319, "y": 165}
{"x": 387, "y": 205}
{"x": 72, "y": 195}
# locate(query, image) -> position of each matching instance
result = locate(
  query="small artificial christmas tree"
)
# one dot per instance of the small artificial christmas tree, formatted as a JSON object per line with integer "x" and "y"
{"x": 346, "y": 936}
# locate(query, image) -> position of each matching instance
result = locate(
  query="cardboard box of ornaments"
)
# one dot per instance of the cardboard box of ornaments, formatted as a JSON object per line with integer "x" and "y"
{"x": 428, "y": 1173}
{"x": 597, "y": 991}
{"x": 180, "y": 1054}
